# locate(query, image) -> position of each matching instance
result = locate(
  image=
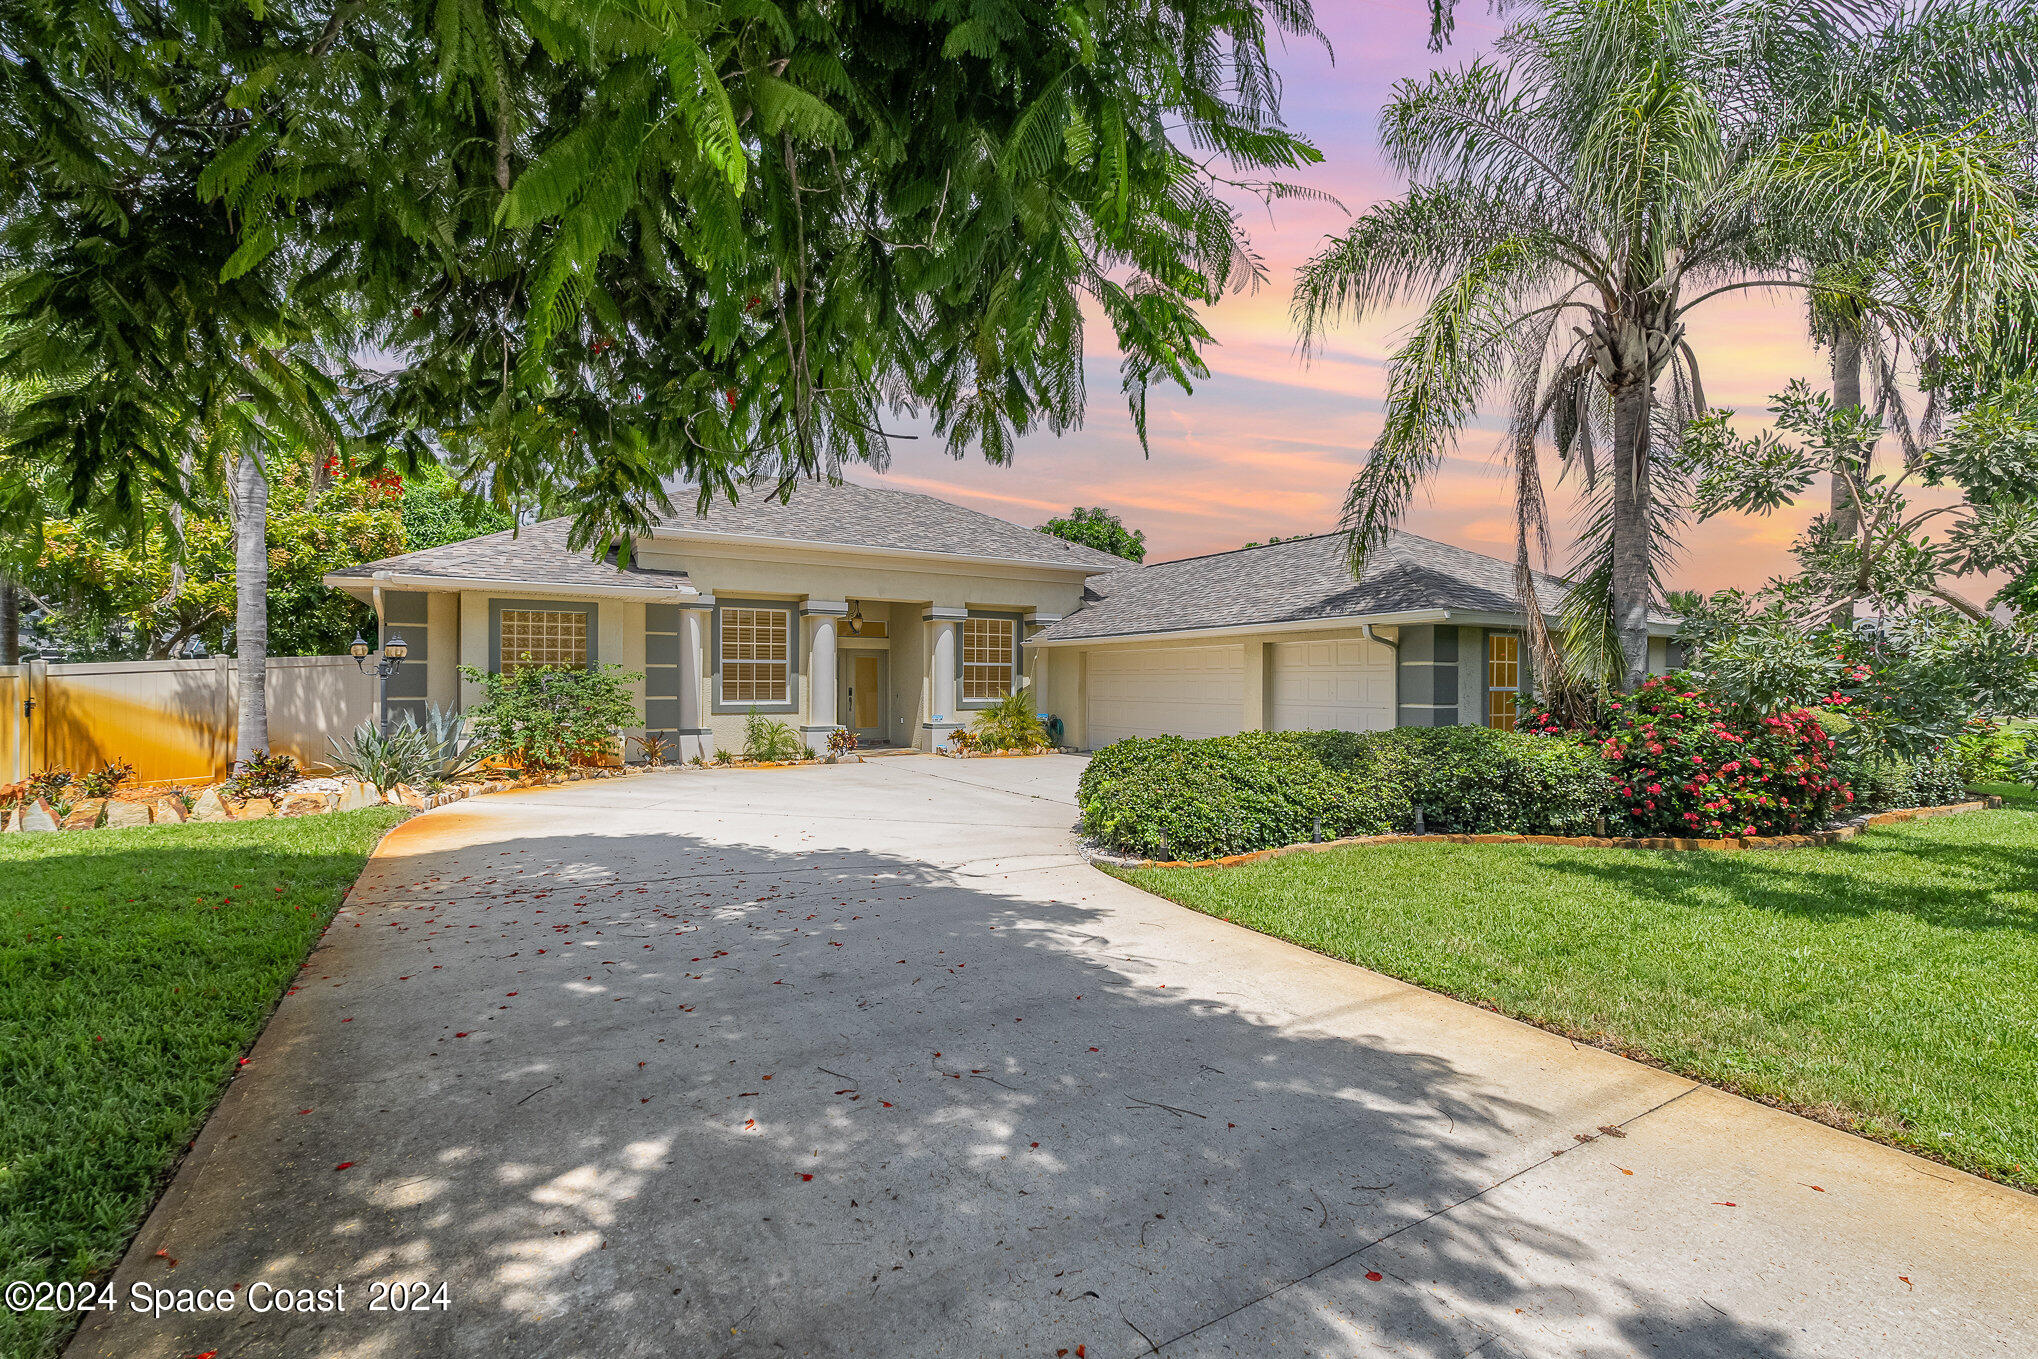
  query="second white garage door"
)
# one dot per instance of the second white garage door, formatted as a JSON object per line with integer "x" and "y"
{"x": 1345, "y": 685}
{"x": 1170, "y": 691}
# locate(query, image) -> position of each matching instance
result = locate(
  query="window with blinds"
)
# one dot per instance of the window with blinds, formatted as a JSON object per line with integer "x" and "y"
{"x": 756, "y": 655}
{"x": 532, "y": 637}
{"x": 1503, "y": 679}
{"x": 987, "y": 648}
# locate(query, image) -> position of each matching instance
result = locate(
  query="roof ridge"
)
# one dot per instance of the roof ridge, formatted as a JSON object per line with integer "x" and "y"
{"x": 1249, "y": 547}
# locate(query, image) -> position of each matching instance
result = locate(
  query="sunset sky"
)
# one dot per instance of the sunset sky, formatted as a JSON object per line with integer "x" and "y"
{"x": 1266, "y": 446}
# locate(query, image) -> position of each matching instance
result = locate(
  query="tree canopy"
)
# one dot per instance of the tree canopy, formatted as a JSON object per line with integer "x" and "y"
{"x": 1099, "y": 528}
{"x": 589, "y": 250}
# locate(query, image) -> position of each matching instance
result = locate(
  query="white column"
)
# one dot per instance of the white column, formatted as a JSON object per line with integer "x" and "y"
{"x": 821, "y": 614}
{"x": 694, "y": 736}
{"x": 944, "y": 693}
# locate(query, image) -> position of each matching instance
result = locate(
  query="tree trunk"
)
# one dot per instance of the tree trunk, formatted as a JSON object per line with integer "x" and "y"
{"x": 10, "y": 624}
{"x": 1845, "y": 514}
{"x": 1632, "y": 443}
{"x": 251, "y": 604}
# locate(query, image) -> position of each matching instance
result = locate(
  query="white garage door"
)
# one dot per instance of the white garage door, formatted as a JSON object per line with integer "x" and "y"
{"x": 1333, "y": 686}
{"x": 1173, "y": 691}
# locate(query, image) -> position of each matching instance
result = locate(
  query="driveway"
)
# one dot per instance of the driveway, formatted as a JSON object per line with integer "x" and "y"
{"x": 865, "y": 1060}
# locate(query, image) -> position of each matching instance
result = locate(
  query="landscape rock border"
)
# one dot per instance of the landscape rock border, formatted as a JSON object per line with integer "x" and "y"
{"x": 36, "y": 815}
{"x": 1729, "y": 845}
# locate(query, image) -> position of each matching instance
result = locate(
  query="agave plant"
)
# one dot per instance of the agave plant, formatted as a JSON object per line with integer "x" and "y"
{"x": 435, "y": 752}
{"x": 446, "y": 743}
{"x": 385, "y": 758}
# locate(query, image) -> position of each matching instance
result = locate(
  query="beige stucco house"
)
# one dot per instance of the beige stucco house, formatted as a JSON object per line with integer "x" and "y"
{"x": 899, "y": 615}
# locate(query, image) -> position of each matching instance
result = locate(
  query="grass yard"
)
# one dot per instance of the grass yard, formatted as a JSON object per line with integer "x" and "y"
{"x": 1888, "y": 984}
{"x": 135, "y": 967}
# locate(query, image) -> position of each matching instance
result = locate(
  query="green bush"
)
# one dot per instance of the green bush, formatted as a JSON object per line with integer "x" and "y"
{"x": 1882, "y": 780}
{"x": 768, "y": 738}
{"x": 102, "y": 781}
{"x": 1169, "y": 798}
{"x": 548, "y": 716}
{"x": 1479, "y": 781}
{"x": 1992, "y": 754}
{"x": 264, "y": 775}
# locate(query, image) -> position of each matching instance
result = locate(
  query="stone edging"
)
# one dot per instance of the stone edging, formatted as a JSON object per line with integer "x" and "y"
{"x": 38, "y": 815}
{"x": 1731, "y": 844}
{"x": 948, "y": 754}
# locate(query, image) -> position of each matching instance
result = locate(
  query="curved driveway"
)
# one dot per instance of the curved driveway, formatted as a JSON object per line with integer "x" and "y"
{"x": 865, "y": 1061}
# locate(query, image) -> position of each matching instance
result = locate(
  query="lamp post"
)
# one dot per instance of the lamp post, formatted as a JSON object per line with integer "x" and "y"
{"x": 394, "y": 649}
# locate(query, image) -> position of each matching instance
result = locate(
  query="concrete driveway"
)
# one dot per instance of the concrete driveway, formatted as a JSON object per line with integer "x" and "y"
{"x": 865, "y": 1061}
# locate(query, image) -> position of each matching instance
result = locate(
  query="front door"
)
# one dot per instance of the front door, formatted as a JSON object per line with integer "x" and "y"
{"x": 865, "y": 699}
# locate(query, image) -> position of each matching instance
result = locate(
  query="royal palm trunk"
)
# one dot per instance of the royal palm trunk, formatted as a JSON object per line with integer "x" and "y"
{"x": 251, "y": 604}
{"x": 1845, "y": 514}
{"x": 1631, "y": 451}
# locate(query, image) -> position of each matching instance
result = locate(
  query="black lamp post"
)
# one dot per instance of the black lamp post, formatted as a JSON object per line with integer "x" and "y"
{"x": 394, "y": 649}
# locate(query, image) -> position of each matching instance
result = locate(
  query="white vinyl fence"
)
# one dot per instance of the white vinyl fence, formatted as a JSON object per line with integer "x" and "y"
{"x": 173, "y": 720}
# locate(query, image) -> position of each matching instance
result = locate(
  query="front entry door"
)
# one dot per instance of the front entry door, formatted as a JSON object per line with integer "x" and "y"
{"x": 865, "y": 701}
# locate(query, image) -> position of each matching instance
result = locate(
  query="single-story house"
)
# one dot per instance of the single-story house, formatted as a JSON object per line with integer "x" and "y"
{"x": 899, "y": 615}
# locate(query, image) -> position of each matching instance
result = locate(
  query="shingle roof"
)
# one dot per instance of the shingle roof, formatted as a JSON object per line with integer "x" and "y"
{"x": 1300, "y": 580}
{"x": 536, "y": 554}
{"x": 882, "y": 517}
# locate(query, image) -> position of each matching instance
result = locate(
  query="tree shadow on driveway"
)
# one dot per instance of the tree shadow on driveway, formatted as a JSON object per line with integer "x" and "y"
{"x": 654, "y": 1095}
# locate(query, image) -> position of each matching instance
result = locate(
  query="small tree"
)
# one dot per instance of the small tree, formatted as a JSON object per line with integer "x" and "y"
{"x": 1099, "y": 528}
{"x": 1881, "y": 549}
{"x": 154, "y": 592}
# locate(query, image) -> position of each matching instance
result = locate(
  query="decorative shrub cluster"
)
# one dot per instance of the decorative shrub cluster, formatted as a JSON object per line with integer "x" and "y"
{"x": 1166, "y": 797}
{"x": 771, "y": 740}
{"x": 102, "y": 781}
{"x": 265, "y": 775}
{"x": 1880, "y": 780}
{"x": 1479, "y": 781}
{"x": 1012, "y": 723}
{"x": 1684, "y": 764}
{"x": 548, "y": 717}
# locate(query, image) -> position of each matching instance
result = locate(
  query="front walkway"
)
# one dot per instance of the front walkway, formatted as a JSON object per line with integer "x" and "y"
{"x": 864, "y": 1061}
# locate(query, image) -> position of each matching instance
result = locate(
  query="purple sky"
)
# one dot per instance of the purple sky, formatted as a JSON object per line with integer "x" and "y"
{"x": 1267, "y": 446}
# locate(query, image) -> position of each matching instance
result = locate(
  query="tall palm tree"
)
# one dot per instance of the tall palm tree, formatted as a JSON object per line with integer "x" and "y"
{"x": 1619, "y": 164}
{"x": 1942, "y": 64}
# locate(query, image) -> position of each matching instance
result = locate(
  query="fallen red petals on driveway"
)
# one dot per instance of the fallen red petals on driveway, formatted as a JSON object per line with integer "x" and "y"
{"x": 344, "y": 1165}
{"x": 1373, "y": 1276}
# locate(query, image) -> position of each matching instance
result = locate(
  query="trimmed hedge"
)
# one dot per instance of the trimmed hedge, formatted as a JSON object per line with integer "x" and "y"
{"x": 1167, "y": 797}
{"x": 1478, "y": 781}
{"x": 1171, "y": 798}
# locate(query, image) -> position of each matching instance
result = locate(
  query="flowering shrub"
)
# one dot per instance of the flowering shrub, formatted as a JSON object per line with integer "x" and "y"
{"x": 1685, "y": 764}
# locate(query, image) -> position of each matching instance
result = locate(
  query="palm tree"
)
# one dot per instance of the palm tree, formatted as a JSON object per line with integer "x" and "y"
{"x": 1621, "y": 163}
{"x": 1945, "y": 64}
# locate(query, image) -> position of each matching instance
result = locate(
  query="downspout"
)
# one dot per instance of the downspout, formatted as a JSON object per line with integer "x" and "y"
{"x": 1366, "y": 631}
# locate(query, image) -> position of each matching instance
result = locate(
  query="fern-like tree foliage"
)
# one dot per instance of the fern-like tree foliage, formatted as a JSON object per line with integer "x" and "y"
{"x": 583, "y": 250}
{"x": 1618, "y": 164}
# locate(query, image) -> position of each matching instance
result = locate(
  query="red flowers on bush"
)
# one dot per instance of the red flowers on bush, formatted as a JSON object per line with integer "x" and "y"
{"x": 1688, "y": 766}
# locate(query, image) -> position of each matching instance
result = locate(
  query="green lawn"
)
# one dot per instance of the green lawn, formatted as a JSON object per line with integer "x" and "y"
{"x": 1888, "y": 984}
{"x": 136, "y": 966}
